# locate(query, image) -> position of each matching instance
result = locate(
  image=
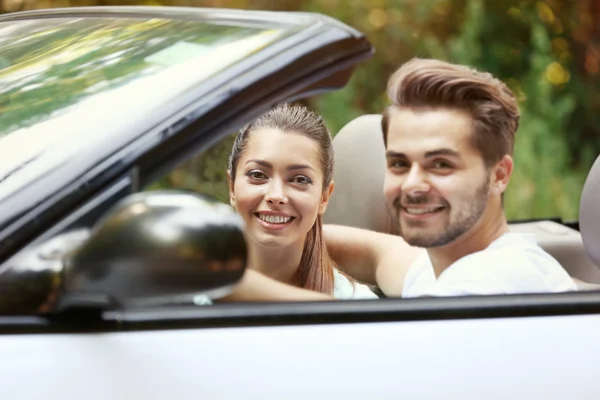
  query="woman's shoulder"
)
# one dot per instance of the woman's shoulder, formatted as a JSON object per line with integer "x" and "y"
{"x": 345, "y": 289}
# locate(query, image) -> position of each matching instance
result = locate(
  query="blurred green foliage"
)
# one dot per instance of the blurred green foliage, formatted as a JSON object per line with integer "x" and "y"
{"x": 545, "y": 50}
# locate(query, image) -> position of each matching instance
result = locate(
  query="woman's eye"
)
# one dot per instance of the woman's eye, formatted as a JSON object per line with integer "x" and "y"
{"x": 303, "y": 180}
{"x": 256, "y": 175}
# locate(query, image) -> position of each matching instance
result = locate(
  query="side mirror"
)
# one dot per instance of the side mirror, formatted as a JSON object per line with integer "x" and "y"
{"x": 159, "y": 247}
{"x": 152, "y": 248}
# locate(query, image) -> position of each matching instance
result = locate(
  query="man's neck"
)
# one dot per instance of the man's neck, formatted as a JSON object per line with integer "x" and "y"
{"x": 477, "y": 239}
{"x": 277, "y": 263}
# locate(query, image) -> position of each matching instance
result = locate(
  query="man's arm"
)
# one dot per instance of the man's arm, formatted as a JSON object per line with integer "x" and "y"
{"x": 371, "y": 257}
{"x": 255, "y": 286}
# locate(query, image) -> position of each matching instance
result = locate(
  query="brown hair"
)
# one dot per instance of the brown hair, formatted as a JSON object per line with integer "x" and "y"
{"x": 434, "y": 83}
{"x": 315, "y": 271}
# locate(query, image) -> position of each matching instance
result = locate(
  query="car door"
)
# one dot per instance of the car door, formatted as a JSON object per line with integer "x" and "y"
{"x": 497, "y": 347}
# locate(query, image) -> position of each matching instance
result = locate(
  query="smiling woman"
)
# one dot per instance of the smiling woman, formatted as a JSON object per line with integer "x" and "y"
{"x": 280, "y": 179}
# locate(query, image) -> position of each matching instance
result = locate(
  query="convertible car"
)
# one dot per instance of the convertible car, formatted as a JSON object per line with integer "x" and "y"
{"x": 100, "y": 267}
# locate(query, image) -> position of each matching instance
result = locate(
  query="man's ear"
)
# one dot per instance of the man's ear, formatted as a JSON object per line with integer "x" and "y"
{"x": 325, "y": 197}
{"x": 501, "y": 175}
{"x": 231, "y": 192}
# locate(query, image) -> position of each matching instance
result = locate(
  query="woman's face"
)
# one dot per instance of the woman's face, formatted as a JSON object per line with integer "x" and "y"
{"x": 278, "y": 187}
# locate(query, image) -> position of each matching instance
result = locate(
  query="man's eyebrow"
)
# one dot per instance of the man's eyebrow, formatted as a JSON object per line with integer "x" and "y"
{"x": 394, "y": 154}
{"x": 442, "y": 152}
{"x": 292, "y": 167}
{"x": 431, "y": 153}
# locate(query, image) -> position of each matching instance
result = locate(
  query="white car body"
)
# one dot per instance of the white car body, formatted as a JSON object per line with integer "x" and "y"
{"x": 503, "y": 358}
{"x": 541, "y": 346}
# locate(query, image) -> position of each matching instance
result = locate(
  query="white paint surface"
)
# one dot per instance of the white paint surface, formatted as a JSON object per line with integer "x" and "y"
{"x": 518, "y": 358}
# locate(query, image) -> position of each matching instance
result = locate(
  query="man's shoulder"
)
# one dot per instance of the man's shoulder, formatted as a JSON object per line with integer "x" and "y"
{"x": 422, "y": 264}
{"x": 518, "y": 260}
{"x": 512, "y": 250}
{"x": 420, "y": 273}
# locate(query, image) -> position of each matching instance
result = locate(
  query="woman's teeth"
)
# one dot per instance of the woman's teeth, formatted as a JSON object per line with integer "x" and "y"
{"x": 274, "y": 219}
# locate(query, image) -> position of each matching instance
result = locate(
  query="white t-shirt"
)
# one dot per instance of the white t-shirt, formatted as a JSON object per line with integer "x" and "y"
{"x": 512, "y": 264}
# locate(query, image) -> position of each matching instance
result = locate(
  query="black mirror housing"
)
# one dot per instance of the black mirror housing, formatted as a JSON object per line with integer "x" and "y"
{"x": 157, "y": 247}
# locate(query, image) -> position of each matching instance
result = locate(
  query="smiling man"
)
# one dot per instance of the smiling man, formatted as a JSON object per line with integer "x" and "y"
{"x": 449, "y": 136}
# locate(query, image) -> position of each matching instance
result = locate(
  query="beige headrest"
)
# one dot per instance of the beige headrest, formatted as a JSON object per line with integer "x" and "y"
{"x": 589, "y": 213}
{"x": 359, "y": 171}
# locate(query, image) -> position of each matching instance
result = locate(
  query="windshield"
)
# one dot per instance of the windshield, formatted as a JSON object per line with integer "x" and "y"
{"x": 50, "y": 64}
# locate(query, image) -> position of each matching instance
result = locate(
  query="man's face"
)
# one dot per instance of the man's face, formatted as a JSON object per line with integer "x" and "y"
{"x": 436, "y": 184}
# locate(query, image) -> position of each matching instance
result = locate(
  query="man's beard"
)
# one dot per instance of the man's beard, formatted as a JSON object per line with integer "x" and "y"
{"x": 466, "y": 217}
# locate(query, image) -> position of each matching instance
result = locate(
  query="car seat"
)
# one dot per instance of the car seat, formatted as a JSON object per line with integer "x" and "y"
{"x": 358, "y": 201}
{"x": 589, "y": 214}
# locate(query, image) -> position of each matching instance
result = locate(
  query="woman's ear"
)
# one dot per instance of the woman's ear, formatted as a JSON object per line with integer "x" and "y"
{"x": 325, "y": 197}
{"x": 231, "y": 192}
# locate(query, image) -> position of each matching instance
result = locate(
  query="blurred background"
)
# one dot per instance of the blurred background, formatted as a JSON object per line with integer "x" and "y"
{"x": 547, "y": 51}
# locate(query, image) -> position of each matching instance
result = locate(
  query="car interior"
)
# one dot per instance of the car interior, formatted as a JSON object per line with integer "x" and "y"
{"x": 359, "y": 174}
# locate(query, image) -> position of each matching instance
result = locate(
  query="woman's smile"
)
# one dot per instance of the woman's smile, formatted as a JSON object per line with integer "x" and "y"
{"x": 273, "y": 221}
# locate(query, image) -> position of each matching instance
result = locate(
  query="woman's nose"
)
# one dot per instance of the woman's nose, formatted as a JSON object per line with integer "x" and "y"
{"x": 276, "y": 193}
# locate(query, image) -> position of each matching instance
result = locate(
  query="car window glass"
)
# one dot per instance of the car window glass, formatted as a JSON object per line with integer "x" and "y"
{"x": 81, "y": 58}
{"x": 204, "y": 173}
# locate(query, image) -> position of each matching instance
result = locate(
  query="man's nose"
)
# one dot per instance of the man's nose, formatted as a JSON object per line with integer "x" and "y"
{"x": 276, "y": 193}
{"x": 415, "y": 181}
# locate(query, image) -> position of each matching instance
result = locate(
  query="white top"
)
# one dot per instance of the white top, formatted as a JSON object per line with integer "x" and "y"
{"x": 343, "y": 289}
{"x": 513, "y": 263}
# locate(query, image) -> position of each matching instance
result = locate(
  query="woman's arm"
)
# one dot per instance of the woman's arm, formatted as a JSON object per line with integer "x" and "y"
{"x": 371, "y": 257}
{"x": 255, "y": 286}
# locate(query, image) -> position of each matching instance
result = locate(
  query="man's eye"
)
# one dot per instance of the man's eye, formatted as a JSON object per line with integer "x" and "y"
{"x": 303, "y": 180}
{"x": 256, "y": 175}
{"x": 441, "y": 165}
{"x": 398, "y": 164}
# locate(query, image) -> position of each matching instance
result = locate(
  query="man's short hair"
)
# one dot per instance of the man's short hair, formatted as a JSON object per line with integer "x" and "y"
{"x": 427, "y": 83}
